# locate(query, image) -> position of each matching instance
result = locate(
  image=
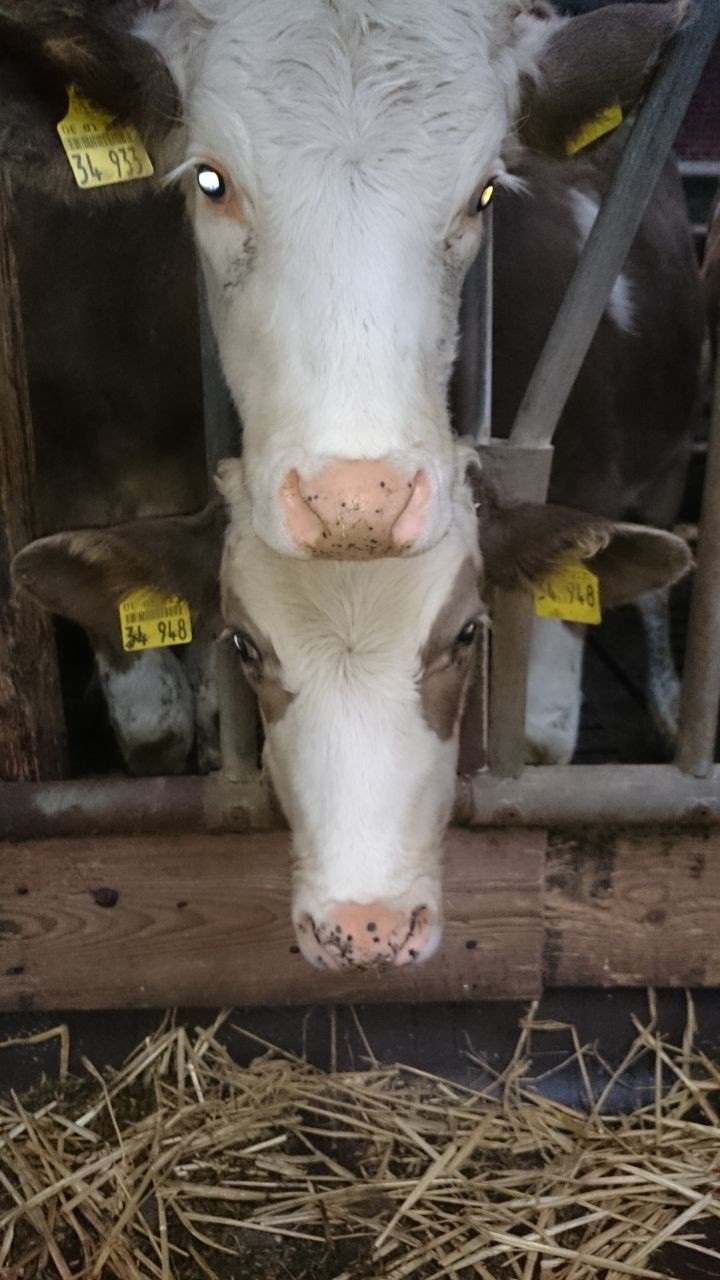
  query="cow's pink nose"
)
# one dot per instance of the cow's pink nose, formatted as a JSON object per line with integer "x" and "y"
{"x": 353, "y": 935}
{"x": 355, "y": 510}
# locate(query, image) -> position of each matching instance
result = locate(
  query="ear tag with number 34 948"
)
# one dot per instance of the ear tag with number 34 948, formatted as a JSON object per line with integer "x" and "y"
{"x": 571, "y": 593}
{"x": 151, "y": 620}
{"x": 100, "y": 153}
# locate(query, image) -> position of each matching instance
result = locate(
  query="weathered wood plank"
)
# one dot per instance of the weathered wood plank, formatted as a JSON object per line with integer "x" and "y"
{"x": 31, "y": 719}
{"x": 204, "y": 920}
{"x": 633, "y": 908}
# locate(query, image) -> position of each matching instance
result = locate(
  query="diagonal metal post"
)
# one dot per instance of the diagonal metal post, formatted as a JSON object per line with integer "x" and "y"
{"x": 645, "y": 153}
{"x": 608, "y": 244}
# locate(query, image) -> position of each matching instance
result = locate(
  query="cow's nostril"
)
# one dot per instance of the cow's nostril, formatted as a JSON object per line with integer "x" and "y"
{"x": 355, "y": 509}
{"x": 342, "y": 936}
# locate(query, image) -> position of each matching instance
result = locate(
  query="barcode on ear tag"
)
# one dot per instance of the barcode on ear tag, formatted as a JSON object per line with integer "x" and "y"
{"x": 571, "y": 593}
{"x": 151, "y": 620}
{"x": 606, "y": 122}
{"x": 100, "y": 153}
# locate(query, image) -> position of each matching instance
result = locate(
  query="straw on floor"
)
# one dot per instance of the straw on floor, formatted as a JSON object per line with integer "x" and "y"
{"x": 184, "y": 1164}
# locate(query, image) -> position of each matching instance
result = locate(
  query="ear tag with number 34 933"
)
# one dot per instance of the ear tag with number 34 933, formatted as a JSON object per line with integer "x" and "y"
{"x": 100, "y": 153}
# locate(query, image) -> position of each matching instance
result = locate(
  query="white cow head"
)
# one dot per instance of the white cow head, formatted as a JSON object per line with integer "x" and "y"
{"x": 361, "y": 671}
{"x": 338, "y": 156}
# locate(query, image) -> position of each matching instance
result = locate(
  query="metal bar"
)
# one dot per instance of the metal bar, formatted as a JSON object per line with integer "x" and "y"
{"x": 471, "y": 390}
{"x": 236, "y": 701}
{"x": 700, "y": 699}
{"x": 550, "y": 795}
{"x": 482, "y": 427}
{"x": 222, "y": 426}
{"x": 638, "y": 170}
{"x": 583, "y": 795}
{"x": 516, "y": 475}
{"x": 472, "y": 414}
{"x": 99, "y": 806}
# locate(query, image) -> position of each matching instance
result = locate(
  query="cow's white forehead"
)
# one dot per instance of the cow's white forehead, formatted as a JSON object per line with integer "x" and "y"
{"x": 364, "y": 622}
{"x": 390, "y": 90}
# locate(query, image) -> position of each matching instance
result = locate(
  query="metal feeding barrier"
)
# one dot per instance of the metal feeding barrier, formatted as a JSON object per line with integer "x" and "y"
{"x": 685, "y": 792}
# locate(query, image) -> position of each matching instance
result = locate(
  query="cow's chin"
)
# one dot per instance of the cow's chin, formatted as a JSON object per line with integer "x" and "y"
{"x": 371, "y": 932}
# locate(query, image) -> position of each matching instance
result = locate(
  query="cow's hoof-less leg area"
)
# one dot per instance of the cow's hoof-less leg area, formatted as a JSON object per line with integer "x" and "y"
{"x": 354, "y": 935}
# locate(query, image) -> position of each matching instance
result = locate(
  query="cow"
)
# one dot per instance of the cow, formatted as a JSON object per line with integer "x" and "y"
{"x": 338, "y": 157}
{"x": 111, "y": 339}
{"x": 361, "y": 667}
{"x": 363, "y": 547}
{"x": 361, "y": 670}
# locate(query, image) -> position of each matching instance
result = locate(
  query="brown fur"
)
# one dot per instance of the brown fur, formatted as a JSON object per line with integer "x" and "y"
{"x": 46, "y": 45}
{"x": 445, "y": 669}
{"x": 84, "y": 574}
{"x": 630, "y": 415}
{"x": 591, "y": 63}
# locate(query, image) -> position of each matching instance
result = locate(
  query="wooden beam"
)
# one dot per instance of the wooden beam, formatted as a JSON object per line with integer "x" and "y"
{"x": 205, "y": 920}
{"x": 132, "y": 922}
{"x": 32, "y": 731}
{"x": 629, "y": 909}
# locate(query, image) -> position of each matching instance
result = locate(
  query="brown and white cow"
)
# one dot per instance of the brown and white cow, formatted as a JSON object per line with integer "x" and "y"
{"x": 361, "y": 669}
{"x": 108, "y": 301}
{"x": 340, "y": 155}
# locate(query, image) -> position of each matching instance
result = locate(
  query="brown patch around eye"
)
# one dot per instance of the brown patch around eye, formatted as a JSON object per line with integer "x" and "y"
{"x": 445, "y": 674}
{"x": 265, "y": 677}
{"x": 273, "y": 697}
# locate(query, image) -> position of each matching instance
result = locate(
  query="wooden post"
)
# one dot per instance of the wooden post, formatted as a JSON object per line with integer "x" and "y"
{"x": 32, "y": 731}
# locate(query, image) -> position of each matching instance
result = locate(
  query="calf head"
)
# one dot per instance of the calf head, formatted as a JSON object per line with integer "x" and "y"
{"x": 160, "y": 702}
{"x": 338, "y": 159}
{"x": 361, "y": 672}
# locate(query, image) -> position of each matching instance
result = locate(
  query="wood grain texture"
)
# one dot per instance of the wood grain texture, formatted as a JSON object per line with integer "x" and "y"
{"x": 638, "y": 908}
{"x": 204, "y": 920}
{"x": 32, "y": 729}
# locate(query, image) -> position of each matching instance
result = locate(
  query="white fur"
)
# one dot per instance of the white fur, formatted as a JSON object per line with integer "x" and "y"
{"x": 553, "y": 695}
{"x": 357, "y": 132}
{"x": 620, "y": 307}
{"x": 151, "y": 710}
{"x": 366, "y": 786}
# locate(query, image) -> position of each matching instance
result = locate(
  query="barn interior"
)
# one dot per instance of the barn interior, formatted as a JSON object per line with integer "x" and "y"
{"x": 440, "y": 1036}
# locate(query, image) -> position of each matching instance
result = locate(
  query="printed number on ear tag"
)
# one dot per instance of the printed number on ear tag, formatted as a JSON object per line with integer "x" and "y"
{"x": 571, "y": 593}
{"x": 150, "y": 620}
{"x": 100, "y": 154}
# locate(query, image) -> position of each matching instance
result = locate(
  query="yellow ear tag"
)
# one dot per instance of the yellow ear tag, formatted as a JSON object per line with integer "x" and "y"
{"x": 605, "y": 122}
{"x": 100, "y": 153}
{"x": 151, "y": 620}
{"x": 571, "y": 593}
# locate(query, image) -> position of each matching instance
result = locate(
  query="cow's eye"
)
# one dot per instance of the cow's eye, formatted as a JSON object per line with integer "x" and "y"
{"x": 464, "y": 638}
{"x": 249, "y": 652}
{"x": 481, "y": 198}
{"x": 211, "y": 183}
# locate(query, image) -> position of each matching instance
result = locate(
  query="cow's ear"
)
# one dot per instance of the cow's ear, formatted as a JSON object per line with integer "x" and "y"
{"x": 592, "y": 63}
{"x": 48, "y": 45}
{"x": 84, "y": 574}
{"x": 521, "y": 544}
{"x": 637, "y": 560}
